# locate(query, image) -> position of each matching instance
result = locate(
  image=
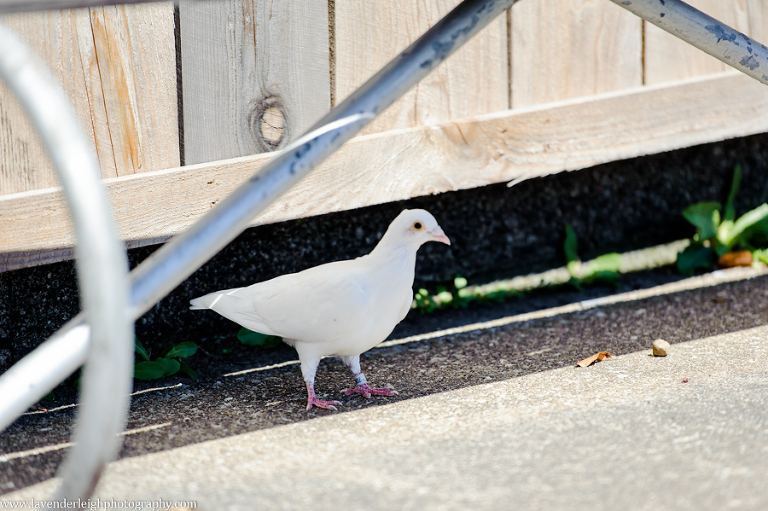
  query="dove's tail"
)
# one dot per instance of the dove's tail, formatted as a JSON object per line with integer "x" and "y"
{"x": 197, "y": 304}
{"x": 208, "y": 301}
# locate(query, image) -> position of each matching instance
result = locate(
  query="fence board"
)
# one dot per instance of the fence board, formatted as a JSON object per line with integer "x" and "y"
{"x": 474, "y": 81}
{"x": 407, "y": 163}
{"x": 255, "y": 74}
{"x": 117, "y": 66}
{"x": 564, "y": 49}
{"x": 668, "y": 58}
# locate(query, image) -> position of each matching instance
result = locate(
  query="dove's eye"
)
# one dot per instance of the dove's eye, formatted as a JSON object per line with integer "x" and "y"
{"x": 417, "y": 226}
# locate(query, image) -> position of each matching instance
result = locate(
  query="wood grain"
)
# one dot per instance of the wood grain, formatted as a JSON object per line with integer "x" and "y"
{"x": 473, "y": 81}
{"x": 408, "y": 163}
{"x": 255, "y": 74}
{"x": 668, "y": 58}
{"x": 117, "y": 66}
{"x": 564, "y": 49}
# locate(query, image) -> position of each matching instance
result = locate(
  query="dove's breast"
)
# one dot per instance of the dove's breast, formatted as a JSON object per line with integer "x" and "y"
{"x": 389, "y": 294}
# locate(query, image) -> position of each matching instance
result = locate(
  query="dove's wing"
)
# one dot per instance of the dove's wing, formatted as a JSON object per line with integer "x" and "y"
{"x": 320, "y": 304}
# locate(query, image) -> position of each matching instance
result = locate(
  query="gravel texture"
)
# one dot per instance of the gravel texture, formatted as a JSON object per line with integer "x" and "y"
{"x": 219, "y": 405}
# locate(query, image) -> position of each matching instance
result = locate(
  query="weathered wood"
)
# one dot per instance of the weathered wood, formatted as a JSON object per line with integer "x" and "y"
{"x": 564, "y": 49}
{"x": 24, "y": 164}
{"x": 255, "y": 74}
{"x": 373, "y": 169}
{"x": 474, "y": 81}
{"x": 117, "y": 65}
{"x": 668, "y": 58}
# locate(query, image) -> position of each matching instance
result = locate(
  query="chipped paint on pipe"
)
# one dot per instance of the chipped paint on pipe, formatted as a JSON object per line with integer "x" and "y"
{"x": 705, "y": 33}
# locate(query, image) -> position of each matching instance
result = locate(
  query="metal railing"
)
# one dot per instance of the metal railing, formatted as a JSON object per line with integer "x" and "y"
{"x": 102, "y": 268}
{"x": 83, "y": 337}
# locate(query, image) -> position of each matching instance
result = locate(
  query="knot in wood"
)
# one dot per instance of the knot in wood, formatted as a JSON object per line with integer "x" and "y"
{"x": 268, "y": 123}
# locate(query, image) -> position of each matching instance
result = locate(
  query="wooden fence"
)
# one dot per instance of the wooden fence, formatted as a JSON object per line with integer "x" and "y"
{"x": 555, "y": 85}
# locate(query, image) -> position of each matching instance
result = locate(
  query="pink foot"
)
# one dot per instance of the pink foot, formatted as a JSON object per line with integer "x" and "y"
{"x": 328, "y": 405}
{"x": 313, "y": 401}
{"x": 367, "y": 391}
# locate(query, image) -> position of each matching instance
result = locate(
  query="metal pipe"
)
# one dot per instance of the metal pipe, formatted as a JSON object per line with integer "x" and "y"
{"x": 705, "y": 33}
{"x": 102, "y": 269}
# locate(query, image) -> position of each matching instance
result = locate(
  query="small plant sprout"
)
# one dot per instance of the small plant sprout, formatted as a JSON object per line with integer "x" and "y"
{"x": 722, "y": 238}
{"x": 604, "y": 269}
{"x": 169, "y": 364}
{"x": 461, "y": 294}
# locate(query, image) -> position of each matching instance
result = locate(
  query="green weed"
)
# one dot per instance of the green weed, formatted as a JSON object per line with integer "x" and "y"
{"x": 167, "y": 365}
{"x": 604, "y": 269}
{"x": 719, "y": 232}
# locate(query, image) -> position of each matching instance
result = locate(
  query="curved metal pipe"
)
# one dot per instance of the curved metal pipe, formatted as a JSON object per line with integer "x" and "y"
{"x": 102, "y": 269}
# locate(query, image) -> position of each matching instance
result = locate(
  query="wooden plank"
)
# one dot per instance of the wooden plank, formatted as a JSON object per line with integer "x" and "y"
{"x": 564, "y": 49}
{"x": 136, "y": 53}
{"x": 24, "y": 164}
{"x": 255, "y": 74}
{"x": 668, "y": 58}
{"x": 117, "y": 65}
{"x": 472, "y": 82}
{"x": 373, "y": 169}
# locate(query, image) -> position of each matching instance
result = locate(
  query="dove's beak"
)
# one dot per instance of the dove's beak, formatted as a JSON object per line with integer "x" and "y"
{"x": 438, "y": 235}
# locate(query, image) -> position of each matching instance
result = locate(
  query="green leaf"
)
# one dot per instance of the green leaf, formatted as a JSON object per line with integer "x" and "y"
{"x": 183, "y": 350}
{"x": 606, "y": 262}
{"x": 139, "y": 348}
{"x": 730, "y": 212}
{"x": 570, "y": 245}
{"x": 184, "y": 368}
{"x": 48, "y": 397}
{"x": 705, "y": 216}
{"x": 424, "y": 301}
{"x": 605, "y": 277}
{"x": 575, "y": 282}
{"x": 760, "y": 255}
{"x": 574, "y": 269}
{"x": 464, "y": 297}
{"x": 603, "y": 269}
{"x": 724, "y": 231}
{"x": 251, "y": 338}
{"x": 748, "y": 224}
{"x": 445, "y": 298}
{"x": 171, "y": 366}
{"x": 695, "y": 256}
{"x": 498, "y": 295}
{"x": 148, "y": 370}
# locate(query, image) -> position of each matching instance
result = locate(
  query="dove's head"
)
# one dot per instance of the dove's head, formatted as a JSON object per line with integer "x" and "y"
{"x": 414, "y": 227}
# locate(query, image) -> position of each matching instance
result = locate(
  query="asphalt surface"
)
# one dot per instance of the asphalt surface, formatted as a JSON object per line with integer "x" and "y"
{"x": 493, "y": 417}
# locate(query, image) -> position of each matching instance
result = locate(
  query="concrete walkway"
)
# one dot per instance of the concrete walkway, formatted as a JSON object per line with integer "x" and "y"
{"x": 628, "y": 433}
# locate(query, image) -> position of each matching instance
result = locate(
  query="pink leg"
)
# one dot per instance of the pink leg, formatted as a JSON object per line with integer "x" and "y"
{"x": 362, "y": 385}
{"x": 313, "y": 401}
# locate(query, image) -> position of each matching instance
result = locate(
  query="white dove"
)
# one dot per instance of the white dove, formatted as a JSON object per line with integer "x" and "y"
{"x": 339, "y": 309}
